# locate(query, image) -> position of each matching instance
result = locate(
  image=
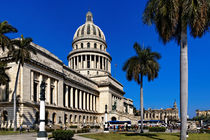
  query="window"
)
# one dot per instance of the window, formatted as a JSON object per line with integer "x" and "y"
{"x": 88, "y": 18}
{"x": 100, "y": 47}
{"x": 88, "y": 61}
{"x": 35, "y": 91}
{"x": 81, "y": 45}
{"x": 95, "y": 45}
{"x": 88, "y": 45}
{"x": 76, "y": 47}
{"x": 51, "y": 95}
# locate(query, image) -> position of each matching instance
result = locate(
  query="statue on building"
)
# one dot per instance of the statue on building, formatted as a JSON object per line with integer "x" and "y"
{"x": 114, "y": 106}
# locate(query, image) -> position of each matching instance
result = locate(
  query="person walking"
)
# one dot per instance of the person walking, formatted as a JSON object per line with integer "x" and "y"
{"x": 20, "y": 129}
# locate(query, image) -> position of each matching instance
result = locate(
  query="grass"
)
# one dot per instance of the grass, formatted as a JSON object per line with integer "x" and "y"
{"x": 9, "y": 132}
{"x": 145, "y": 136}
{"x": 14, "y": 132}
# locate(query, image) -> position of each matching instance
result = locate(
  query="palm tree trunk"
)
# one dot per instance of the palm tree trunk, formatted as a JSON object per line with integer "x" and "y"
{"x": 183, "y": 83}
{"x": 141, "y": 99}
{"x": 14, "y": 98}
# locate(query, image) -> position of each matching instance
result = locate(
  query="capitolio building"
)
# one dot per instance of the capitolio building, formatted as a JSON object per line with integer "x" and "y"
{"x": 75, "y": 94}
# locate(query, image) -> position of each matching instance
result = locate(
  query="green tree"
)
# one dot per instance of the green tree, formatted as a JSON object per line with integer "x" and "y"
{"x": 143, "y": 64}
{"x": 172, "y": 19}
{"x": 5, "y": 28}
{"x": 20, "y": 54}
{"x": 4, "y": 78}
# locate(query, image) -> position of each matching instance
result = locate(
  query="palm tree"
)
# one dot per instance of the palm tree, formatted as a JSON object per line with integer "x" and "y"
{"x": 144, "y": 64}
{"x": 4, "y": 78}
{"x": 171, "y": 19}
{"x": 20, "y": 54}
{"x": 4, "y": 29}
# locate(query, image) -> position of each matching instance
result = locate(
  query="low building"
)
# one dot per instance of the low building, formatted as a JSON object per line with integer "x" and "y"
{"x": 202, "y": 113}
{"x": 172, "y": 114}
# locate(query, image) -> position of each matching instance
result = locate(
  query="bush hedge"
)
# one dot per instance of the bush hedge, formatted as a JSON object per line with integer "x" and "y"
{"x": 62, "y": 134}
{"x": 157, "y": 129}
{"x": 73, "y": 126}
{"x": 83, "y": 130}
{"x": 205, "y": 131}
{"x": 96, "y": 127}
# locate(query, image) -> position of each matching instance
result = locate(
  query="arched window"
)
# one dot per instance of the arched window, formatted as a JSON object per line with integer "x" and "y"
{"x": 5, "y": 116}
{"x": 88, "y": 29}
{"x": 95, "y": 45}
{"x": 81, "y": 45}
{"x": 53, "y": 118}
{"x": 88, "y": 45}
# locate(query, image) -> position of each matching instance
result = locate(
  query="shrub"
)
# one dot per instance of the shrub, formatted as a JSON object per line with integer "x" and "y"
{"x": 157, "y": 129}
{"x": 62, "y": 134}
{"x": 49, "y": 129}
{"x": 205, "y": 131}
{"x": 73, "y": 126}
{"x": 85, "y": 130}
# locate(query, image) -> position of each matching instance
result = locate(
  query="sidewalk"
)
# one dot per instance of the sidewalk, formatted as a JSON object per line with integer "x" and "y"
{"x": 76, "y": 137}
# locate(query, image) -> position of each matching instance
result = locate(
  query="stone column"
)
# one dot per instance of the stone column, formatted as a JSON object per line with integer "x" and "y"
{"x": 38, "y": 88}
{"x": 77, "y": 62}
{"x": 102, "y": 63}
{"x": 48, "y": 90}
{"x": 91, "y": 62}
{"x": 99, "y": 62}
{"x": 97, "y": 101}
{"x": 94, "y": 101}
{"x": 71, "y": 103}
{"x": 88, "y": 102}
{"x": 85, "y": 63}
{"x": 84, "y": 102}
{"x": 32, "y": 85}
{"x": 56, "y": 92}
{"x": 80, "y": 99}
{"x": 106, "y": 65}
{"x": 95, "y": 64}
{"x": 76, "y": 98}
{"x": 91, "y": 105}
{"x": 109, "y": 63}
{"x": 66, "y": 97}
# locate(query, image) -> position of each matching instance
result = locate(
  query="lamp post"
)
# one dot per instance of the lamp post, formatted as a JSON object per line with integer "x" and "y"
{"x": 106, "y": 128}
{"x": 42, "y": 134}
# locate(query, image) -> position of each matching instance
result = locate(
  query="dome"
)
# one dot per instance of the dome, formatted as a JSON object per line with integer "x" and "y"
{"x": 89, "y": 29}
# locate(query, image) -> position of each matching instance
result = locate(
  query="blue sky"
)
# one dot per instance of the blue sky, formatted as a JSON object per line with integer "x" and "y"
{"x": 52, "y": 24}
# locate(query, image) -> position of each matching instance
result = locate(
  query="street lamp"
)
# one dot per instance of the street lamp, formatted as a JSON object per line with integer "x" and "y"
{"x": 106, "y": 128}
{"x": 42, "y": 134}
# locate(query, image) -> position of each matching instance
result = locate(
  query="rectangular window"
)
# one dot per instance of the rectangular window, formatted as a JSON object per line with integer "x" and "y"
{"x": 35, "y": 91}
{"x": 51, "y": 95}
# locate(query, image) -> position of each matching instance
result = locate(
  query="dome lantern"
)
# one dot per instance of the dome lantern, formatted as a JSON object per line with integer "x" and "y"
{"x": 89, "y": 17}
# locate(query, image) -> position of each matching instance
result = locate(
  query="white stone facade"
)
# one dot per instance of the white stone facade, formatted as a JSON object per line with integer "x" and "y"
{"x": 75, "y": 94}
